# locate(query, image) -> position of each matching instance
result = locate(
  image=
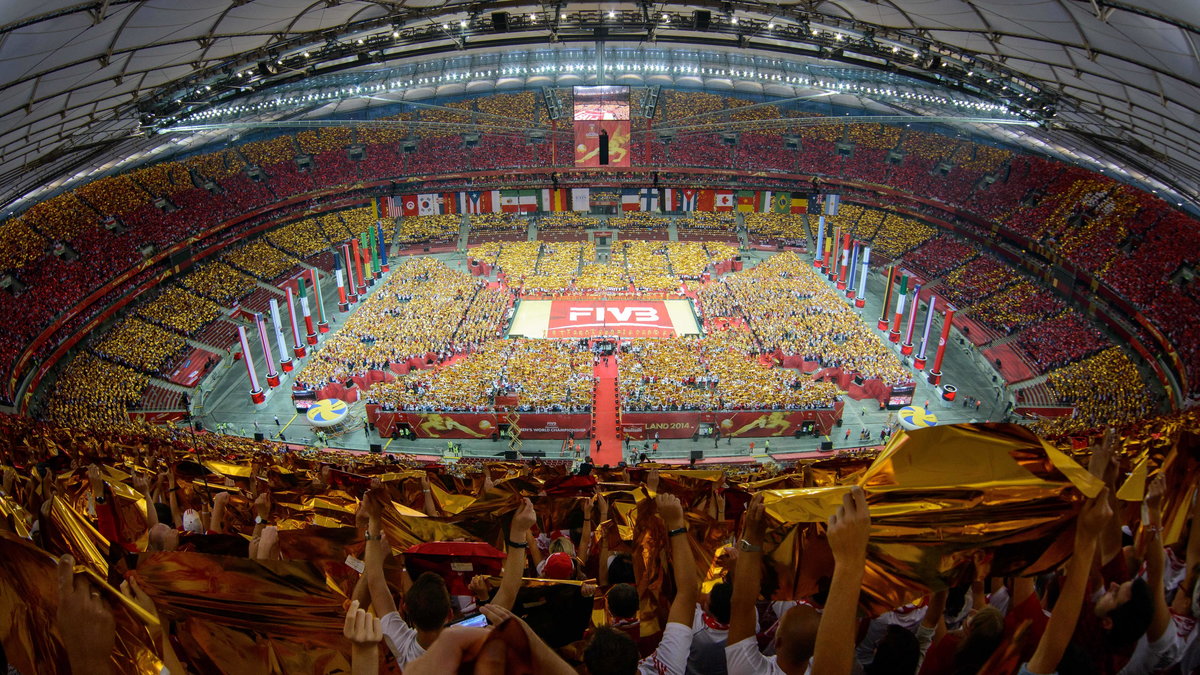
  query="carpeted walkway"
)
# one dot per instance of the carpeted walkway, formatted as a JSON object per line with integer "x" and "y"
{"x": 604, "y": 415}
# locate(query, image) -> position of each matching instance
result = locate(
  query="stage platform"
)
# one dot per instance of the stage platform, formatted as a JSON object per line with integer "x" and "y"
{"x": 193, "y": 367}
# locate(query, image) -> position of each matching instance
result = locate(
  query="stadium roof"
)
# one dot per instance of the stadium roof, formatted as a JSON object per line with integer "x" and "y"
{"x": 1108, "y": 83}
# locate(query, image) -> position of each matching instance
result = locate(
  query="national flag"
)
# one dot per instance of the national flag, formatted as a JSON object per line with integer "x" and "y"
{"x": 831, "y": 204}
{"x": 649, "y": 199}
{"x": 781, "y": 202}
{"x": 688, "y": 201}
{"x": 671, "y": 200}
{"x": 581, "y": 199}
{"x": 527, "y": 201}
{"x": 510, "y": 201}
{"x": 427, "y": 205}
{"x": 799, "y": 203}
{"x": 706, "y": 200}
{"x": 408, "y": 206}
{"x": 479, "y": 201}
{"x": 746, "y": 200}
{"x": 448, "y": 203}
{"x": 380, "y": 209}
{"x": 631, "y": 200}
{"x": 724, "y": 200}
{"x": 553, "y": 200}
{"x": 764, "y": 201}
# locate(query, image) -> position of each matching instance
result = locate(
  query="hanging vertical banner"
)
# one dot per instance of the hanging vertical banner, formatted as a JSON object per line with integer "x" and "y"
{"x": 894, "y": 334}
{"x": 860, "y": 300}
{"x": 383, "y": 254}
{"x": 298, "y": 348}
{"x": 306, "y": 312}
{"x": 285, "y": 359}
{"x": 256, "y": 393}
{"x": 935, "y": 375}
{"x": 590, "y": 136}
{"x": 261, "y": 325}
{"x": 906, "y": 347}
{"x": 919, "y": 359}
{"x": 887, "y": 298}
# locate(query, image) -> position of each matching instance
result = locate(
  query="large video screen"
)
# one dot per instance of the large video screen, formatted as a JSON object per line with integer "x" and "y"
{"x": 608, "y": 102}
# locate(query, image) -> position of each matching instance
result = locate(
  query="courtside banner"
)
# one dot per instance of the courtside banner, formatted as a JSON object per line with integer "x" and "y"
{"x": 624, "y": 318}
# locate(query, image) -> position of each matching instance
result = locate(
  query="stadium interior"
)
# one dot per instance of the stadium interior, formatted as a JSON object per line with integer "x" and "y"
{"x": 617, "y": 337}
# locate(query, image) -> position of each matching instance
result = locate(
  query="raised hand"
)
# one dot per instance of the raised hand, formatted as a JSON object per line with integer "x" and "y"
{"x": 602, "y": 504}
{"x": 850, "y": 528}
{"x": 262, "y": 505}
{"x": 96, "y": 479}
{"x": 523, "y": 520}
{"x": 361, "y": 628}
{"x": 670, "y": 510}
{"x": 84, "y": 621}
{"x": 652, "y": 481}
{"x": 1094, "y": 515}
{"x": 479, "y": 587}
{"x": 754, "y": 522}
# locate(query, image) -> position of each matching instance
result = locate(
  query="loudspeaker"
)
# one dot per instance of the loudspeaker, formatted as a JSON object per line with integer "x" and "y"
{"x": 510, "y": 455}
{"x": 701, "y": 19}
{"x": 696, "y": 455}
{"x": 258, "y": 436}
{"x": 376, "y": 448}
{"x": 500, "y": 22}
{"x": 826, "y": 446}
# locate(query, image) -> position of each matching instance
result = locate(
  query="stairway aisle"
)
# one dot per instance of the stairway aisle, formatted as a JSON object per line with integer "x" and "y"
{"x": 604, "y": 414}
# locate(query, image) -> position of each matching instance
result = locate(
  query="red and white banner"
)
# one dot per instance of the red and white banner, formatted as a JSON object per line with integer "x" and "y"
{"x": 625, "y": 318}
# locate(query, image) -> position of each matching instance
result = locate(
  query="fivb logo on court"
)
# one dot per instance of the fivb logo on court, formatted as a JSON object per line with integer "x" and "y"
{"x": 622, "y": 315}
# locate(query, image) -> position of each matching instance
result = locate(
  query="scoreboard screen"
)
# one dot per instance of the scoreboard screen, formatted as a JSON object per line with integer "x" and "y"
{"x": 607, "y": 102}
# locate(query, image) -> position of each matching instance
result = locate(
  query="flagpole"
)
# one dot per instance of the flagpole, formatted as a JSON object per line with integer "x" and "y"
{"x": 887, "y": 298}
{"x": 894, "y": 334}
{"x": 935, "y": 375}
{"x": 306, "y": 312}
{"x": 820, "y": 261}
{"x": 850, "y": 278}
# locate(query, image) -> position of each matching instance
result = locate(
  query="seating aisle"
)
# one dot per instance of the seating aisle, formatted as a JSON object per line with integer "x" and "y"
{"x": 604, "y": 415}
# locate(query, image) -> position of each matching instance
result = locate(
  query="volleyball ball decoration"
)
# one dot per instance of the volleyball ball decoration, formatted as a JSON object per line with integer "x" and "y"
{"x": 327, "y": 412}
{"x": 916, "y": 417}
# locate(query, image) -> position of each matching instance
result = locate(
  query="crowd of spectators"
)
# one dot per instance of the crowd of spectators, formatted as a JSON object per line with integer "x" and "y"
{"x": 543, "y": 375}
{"x": 433, "y": 228}
{"x": 92, "y": 393}
{"x": 1022, "y": 304}
{"x": 424, "y": 308}
{"x": 219, "y": 282}
{"x": 785, "y": 228}
{"x": 633, "y": 224}
{"x": 706, "y": 221}
{"x": 1089, "y": 218}
{"x": 302, "y": 239}
{"x": 1065, "y": 338}
{"x": 939, "y": 256}
{"x": 260, "y": 259}
{"x": 141, "y": 346}
{"x": 481, "y": 223}
{"x": 179, "y": 310}
{"x": 898, "y": 234}
{"x": 1105, "y": 389}
{"x": 616, "y": 570}
{"x": 788, "y": 307}
{"x": 979, "y": 278}
{"x": 567, "y": 220}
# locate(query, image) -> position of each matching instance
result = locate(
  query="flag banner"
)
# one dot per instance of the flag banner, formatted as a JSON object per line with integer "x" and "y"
{"x": 724, "y": 200}
{"x": 389, "y": 207}
{"x": 510, "y": 201}
{"x": 527, "y": 201}
{"x": 631, "y": 200}
{"x": 816, "y": 204}
{"x": 799, "y": 203}
{"x": 479, "y": 201}
{"x": 587, "y": 142}
{"x": 781, "y": 202}
{"x": 448, "y": 203}
{"x": 672, "y": 200}
{"x": 649, "y": 199}
{"x": 765, "y": 201}
{"x": 831, "y": 204}
{"x": 581, "y": 199}
{"x": 688, "y": 199}
{"x": 427, "y": 205}
{"x": 380, "y": 209}
{"x": 706, "y": 200}
{"x": 408, "y": 206}
{"x": 553, "y": 200}
{"x": 746, "y": 200}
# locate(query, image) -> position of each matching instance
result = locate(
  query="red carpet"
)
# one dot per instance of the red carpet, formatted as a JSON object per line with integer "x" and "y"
{"x": 604, "y": 415}
{"x": 192, "y": 368}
